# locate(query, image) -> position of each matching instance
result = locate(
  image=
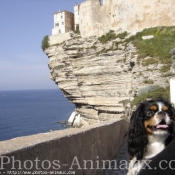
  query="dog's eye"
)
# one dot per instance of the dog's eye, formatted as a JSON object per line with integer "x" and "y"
{"x": 149, "y": 113}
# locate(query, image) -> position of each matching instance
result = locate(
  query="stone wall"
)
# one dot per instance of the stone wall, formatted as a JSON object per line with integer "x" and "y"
{"x": 93, "y": 19}
{"x": 131, "y": 15}
{"x": 59, "y": 38}
{"x": 64, "y": 149}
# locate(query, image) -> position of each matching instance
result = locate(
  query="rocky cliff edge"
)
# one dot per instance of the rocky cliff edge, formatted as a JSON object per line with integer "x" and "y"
{"x": 98, "y": 77}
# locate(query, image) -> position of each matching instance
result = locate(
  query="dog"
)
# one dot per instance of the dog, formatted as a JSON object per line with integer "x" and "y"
{"x": 151, "y": 129}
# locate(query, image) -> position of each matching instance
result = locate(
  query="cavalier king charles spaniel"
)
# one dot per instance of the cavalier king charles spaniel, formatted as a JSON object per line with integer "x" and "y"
{"x": 151, "y": 129}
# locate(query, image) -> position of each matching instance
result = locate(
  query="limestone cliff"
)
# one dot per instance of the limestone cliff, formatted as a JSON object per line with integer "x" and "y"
{"x": 96, "y": 77}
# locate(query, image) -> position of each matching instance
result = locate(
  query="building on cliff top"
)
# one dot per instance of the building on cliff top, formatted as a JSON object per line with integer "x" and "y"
{"x": 96, "y": 17}
{"x": 63, "y": 22}
{"x": 76, "y": 16}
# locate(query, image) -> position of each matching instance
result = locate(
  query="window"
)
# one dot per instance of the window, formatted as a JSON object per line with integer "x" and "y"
{"x": 61, "y": 17}
{"x": 59, "y": 31}
{"x": 56, "y": 24}
{"x": 62, "y": 23}
{"x": 101, "y": 2}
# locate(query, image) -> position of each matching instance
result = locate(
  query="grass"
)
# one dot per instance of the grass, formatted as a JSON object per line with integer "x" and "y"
{"x": 157, "y": 93}
{"x": 111, "y": 36}
{"x": 150, "y": 61}
{"x": 165, "y": 68}
{"x": 160, "y": 48}
{"x": 157, "y": 47}
{"x": 107, "y": 37}
{"x": 122, "y": 35}
{"x": 59, "y": 67}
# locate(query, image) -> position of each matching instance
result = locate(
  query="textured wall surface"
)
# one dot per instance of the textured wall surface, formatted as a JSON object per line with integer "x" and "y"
{"x": 59, "y": 38}
{"x": 131, "y": 15}
{"x": 70, "y": 147}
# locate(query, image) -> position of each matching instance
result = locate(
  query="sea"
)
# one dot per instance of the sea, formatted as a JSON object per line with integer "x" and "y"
{"x": 28, "y": 112}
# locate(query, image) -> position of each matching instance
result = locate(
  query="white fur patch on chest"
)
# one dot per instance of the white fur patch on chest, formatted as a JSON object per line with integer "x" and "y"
{"x": 155, "y": 145}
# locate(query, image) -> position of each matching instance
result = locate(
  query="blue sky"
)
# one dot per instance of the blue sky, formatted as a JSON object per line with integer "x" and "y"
{"x": 23, "y": 24}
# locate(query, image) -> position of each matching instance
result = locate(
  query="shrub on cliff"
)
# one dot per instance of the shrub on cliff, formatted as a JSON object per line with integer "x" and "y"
{"x": 108, "y": 37}
{"x": 122, "y": 35}
{"x": 45, "y": 43}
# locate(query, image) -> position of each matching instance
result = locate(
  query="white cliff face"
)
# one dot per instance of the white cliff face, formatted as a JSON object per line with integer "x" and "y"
{"x": 97, "y": 77}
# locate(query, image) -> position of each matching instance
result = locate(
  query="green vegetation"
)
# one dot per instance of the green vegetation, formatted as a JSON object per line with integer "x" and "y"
{"x": 59, "y": 67}
{"x": 93, "y": 47}
{"x": 157, "y": 47}
{"x": 122, "y": 35}
{"x": 150, "y": 61}
{"x": 45, "y": 43}
{"x": 148, "y": 81}
{"x": 165, "y": 68}
{"x": 158, "y": 92}
{"x": 111, "y": 36}
{"x": 160, "y": 49}
{"x": 108, "y": 37}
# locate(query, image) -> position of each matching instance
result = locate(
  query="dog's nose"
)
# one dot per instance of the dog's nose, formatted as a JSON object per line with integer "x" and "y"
{"x": 161, "y": 113}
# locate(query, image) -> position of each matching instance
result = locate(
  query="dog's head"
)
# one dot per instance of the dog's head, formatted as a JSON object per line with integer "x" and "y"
{"x": 154, "y": 117}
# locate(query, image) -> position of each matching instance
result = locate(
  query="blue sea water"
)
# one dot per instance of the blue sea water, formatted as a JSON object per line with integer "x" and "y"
{"x": 30, "y": 112}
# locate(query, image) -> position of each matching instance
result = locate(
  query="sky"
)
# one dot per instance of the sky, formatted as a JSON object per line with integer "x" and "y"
{"x": 23, "y": 24}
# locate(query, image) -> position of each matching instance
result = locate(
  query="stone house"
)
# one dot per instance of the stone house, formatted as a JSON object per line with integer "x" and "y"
{"x": 63, "y": 22}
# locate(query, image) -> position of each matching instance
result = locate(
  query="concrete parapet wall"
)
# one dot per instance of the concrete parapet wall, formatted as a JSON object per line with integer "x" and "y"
{"x": 61, "y": 150}
{"x": 59, "y": 38}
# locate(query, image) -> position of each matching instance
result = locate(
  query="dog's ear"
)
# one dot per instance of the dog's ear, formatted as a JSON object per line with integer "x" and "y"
{"x": 137, "y": 137}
